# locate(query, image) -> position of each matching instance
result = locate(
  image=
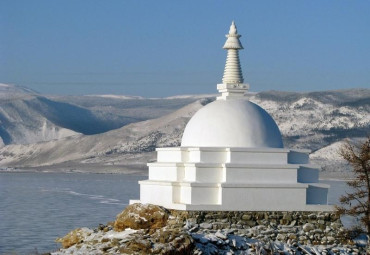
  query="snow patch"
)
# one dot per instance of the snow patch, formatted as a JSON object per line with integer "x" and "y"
{"x": 119, "y": 235}
{"x": 124, "y": 97}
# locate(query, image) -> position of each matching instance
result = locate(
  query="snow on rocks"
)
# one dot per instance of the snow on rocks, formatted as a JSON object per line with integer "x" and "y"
{"x": 144, "y": 241}
{"x": 161, "y": 231}
{"x": 308, "y": 227}
{"x": 151, "y": 235}
{"x": 211, "y": 242}
{"x": 74, "y": 237}
{"x": 138, "y": 216}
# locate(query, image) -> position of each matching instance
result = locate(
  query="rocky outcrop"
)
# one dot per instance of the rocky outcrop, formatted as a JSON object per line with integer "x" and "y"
{"x": 74, "y": 237}
{"x": 162, "y": 241}
{"x": 136, "y": 216}
{"x": 139, "y": 229}
{"x": 150, "y": 229}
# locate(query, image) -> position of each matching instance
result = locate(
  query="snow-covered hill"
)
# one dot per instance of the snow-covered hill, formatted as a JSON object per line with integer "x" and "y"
{"x": 130, "y": 145}
{"x": 22, "y": 123}
{"x": 318, "y": 121}
{"x": 120, "y": 110}
{"x": 9, "y": 91}
{"x": 27, "y": 117}
{"x": 328, "y": 157}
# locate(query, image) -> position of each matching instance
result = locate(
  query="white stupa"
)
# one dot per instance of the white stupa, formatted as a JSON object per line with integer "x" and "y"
{"x": 232, "y": 158}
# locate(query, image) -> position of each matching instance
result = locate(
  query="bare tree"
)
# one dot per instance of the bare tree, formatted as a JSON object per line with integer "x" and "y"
{"x": 357, "y": 202}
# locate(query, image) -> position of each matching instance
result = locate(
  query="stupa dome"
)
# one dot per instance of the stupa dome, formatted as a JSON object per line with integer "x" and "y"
{"x": 232, "y": 123}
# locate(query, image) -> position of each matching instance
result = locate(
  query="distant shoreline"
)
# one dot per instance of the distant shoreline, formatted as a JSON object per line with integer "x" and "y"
{"x": 141, "y": 170}
{"x": 89, "y": 169}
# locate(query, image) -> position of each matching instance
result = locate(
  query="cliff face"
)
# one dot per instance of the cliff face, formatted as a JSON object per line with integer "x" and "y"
{"x": 150, "y": 229}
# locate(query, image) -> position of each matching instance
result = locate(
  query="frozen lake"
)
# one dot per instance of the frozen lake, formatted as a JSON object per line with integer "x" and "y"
{"x": 36, "y": 208}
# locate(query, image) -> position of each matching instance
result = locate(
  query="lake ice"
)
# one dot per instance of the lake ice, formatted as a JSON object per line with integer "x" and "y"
{"x": 36, "y": 208}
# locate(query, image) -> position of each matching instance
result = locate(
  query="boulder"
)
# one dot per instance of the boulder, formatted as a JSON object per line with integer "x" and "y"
{"x": 176, "y": 241}
{"x": 163, "y": 241}
{"x": 138, "y": 246}
{"x": 308, "y": 227}
{"x": 141, "y": 216}
{"x": 74, "y": 237}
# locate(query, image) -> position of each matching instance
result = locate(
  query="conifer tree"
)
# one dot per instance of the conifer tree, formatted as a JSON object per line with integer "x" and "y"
{"x": 357, "y": 201}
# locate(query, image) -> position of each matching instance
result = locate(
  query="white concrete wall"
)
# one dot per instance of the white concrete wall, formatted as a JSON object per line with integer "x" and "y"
{"x": 213, "y": 156}
{"x": 263, "y": 198}
{"x": 199, "y": 195}
{"x": 203, "y": 174}
{"x": 223, "y": 155}
{"x": 156, "y": 193}
{"x": 196, "y": 155}
{"x": 245, "y": 157}
{"x": 298, "y": 157}
{"x": 170, "y": 155}
{"x": 233, "y": 179}
{"x": 165, "y": 172}
{"x": 308, "y": 174}
{"x": 185, "y": 195}
{"x": 260, "y": 175}
{"x": 205, "y": 195}
{"x": 317, "y": 195}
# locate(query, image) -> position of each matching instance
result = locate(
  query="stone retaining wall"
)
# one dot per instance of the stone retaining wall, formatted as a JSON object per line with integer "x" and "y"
{"x": 151, "y": 229}
{"x": 302, "y": 227}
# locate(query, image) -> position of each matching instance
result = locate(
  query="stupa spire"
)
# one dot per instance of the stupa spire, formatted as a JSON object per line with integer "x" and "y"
{"x": 233, "y": 72}
{"x": 232, "y": 81}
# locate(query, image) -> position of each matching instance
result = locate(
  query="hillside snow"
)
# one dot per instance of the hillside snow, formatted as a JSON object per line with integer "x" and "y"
{"x": 27, "y": 117}
{"x": 121, "y": 146}
{"x": 318, "y": 121}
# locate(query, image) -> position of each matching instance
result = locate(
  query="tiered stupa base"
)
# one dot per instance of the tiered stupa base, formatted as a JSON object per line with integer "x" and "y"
{"x": 234, "y": 179}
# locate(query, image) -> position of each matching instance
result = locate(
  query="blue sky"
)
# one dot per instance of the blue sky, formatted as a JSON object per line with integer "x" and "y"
{"x": 163, "y": 48}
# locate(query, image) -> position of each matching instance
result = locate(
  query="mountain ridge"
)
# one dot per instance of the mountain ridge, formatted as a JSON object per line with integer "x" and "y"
{"x": 312, "y": 120}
